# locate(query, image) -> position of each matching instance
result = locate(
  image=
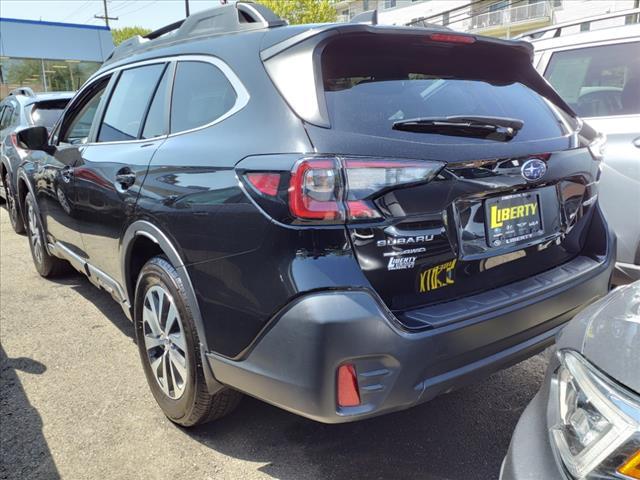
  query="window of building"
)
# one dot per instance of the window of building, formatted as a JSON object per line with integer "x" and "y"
{"x": 154, "y": 123}
{"x": 445, "y": 18}
{"x": 201, "y": 94}
{"x": 77, "y": 126}
{"x": 557, "y": 3}
{"x": 365, "y": 5}
{"x": 584, "y": 27}
{"x": 598, "y": 81}
{"x": 128, "y": 104}
{"x": 67, "y": 75}
{"x": 389, "y": 3}
{"x": 44, "y": 75}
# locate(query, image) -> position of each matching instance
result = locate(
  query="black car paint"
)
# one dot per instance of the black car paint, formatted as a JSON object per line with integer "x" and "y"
{"x": 245, "y": 266}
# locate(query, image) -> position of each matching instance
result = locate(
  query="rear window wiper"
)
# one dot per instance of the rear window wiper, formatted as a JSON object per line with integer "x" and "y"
{"x": 501, "y": 129}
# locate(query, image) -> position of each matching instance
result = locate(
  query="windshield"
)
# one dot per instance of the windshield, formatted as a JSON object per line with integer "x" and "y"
{"x": 369, "y": 87}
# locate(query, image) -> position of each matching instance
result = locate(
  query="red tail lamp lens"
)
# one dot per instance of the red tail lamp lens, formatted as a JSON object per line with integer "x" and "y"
{"x": 265, "y": 183}
{"x": 348, "y": 393}
{"x": 452, "y": 38}
{"x": 315, "y": 190}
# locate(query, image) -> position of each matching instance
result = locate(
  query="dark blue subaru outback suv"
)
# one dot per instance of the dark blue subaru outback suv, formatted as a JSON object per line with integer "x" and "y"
{"x": 342, "y": 220}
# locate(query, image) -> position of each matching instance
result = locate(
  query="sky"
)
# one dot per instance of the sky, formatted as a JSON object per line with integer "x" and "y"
{"x": 151, "y": 14}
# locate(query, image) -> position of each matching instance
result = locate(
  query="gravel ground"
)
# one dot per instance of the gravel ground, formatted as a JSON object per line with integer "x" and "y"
{"x": 74, "y": 404}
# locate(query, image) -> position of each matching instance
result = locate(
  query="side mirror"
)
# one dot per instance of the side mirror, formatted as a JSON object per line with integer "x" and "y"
{"x": 35, "y": 138}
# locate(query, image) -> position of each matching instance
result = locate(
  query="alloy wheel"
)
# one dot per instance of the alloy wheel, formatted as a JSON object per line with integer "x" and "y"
{"x": 165, "y": 342}
{"x": 34, "y": 234}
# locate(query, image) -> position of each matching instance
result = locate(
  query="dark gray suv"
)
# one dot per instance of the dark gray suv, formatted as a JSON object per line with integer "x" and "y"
{"x": 343, "y": 220}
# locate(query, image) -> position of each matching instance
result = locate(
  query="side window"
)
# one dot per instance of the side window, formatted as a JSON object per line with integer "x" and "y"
{"x": 128, "y": 104}
{"x": 7, "y": 113}
{"x": 15, "y": 117}
{"x": 3, "y": 109}
{"x": 154, "y": 123}
{"x": 598, "y": 81}
{"x": 77, "y": 124}
{"x": 201, "y": 94}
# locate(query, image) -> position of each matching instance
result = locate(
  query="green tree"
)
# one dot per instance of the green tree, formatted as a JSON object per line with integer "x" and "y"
{"x": 302, "y": 11}
{"x": 121, "y": 34}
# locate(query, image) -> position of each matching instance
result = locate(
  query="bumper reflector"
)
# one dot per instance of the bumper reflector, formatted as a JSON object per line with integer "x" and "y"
{"x": 348, "y": 394}
{"x": 631, "y": 467}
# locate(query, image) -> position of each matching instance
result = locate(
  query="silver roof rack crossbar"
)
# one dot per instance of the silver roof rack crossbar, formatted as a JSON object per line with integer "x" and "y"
{"x": 229, "y": 18}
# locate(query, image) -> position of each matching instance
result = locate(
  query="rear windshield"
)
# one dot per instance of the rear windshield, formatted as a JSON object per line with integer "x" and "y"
{"x": 46, "y": 114}
{"x": 370, "y": 84}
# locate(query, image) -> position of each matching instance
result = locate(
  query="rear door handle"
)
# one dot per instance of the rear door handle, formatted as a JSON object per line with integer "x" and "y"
{"x": 636, "y": 142}
{"x": 125, "y": 178}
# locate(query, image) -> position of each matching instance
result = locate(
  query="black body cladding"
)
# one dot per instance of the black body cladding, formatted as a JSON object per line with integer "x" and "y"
{"x": 243, "y": 248}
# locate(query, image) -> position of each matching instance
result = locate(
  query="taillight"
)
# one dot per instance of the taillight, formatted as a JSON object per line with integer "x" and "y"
{"x": 334, "y": 190}
{"x": 315, "y": 190}
{"x": 22, "y": 153}
{"x": 265, "y": 183}
{"x": 344, "y": 188}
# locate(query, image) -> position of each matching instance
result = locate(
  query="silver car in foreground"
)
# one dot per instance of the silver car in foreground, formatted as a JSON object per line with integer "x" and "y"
{"x": 596, "y": 70}
{"x": 584, "y": 423}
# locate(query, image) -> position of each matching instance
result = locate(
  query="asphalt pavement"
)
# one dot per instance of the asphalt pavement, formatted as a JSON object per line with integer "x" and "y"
{"x": 74, "y": 404}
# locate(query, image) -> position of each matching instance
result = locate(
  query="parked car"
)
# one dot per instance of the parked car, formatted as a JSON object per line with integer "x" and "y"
{"x": 317, "y": 216}
{"x": 598, "y": 74}
{"x": 584, "y": 423}
{"x": 23, "y": 108}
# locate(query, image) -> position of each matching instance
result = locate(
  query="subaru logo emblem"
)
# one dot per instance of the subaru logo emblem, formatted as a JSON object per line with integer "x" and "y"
{"x": 533, "y": 170}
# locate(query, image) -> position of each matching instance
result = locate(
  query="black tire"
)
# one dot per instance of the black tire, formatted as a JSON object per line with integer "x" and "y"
{"x": 12, "y": 206}
{"x": 185, "y": 401}
{"x": 46, "y": 265}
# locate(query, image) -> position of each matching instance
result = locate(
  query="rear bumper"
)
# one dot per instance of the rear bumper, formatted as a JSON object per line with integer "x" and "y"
{"x": 294, "y": 361}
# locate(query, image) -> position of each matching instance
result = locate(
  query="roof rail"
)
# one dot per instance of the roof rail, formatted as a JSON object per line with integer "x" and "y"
{"x": 166, "y": 29}
{"x": 26, "y": 91}
{"x": 369, "y": 17}
{"x": 234, "y": 17}
{"x": 557, "y": 29}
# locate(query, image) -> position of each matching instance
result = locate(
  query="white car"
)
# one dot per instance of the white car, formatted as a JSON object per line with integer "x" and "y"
{"x": 597, "y": 72}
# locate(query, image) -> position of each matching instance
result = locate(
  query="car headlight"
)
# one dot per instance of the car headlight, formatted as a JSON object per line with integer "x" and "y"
{"x": 594, "y": 423}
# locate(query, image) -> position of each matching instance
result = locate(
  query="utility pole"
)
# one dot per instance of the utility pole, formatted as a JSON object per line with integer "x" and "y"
{"x": 186, "y": 7}
{"x": 106, "y": 16}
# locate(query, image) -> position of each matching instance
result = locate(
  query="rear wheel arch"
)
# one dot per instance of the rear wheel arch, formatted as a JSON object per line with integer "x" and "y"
{"x": 22, "y": 190}
{"x": 142, "y": 241}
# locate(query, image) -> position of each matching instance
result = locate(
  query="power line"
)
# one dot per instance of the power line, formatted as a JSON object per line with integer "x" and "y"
{"x": 76, "y": 10}
{"x": 123, "y": 4}
{"x": 139, "y": 8}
